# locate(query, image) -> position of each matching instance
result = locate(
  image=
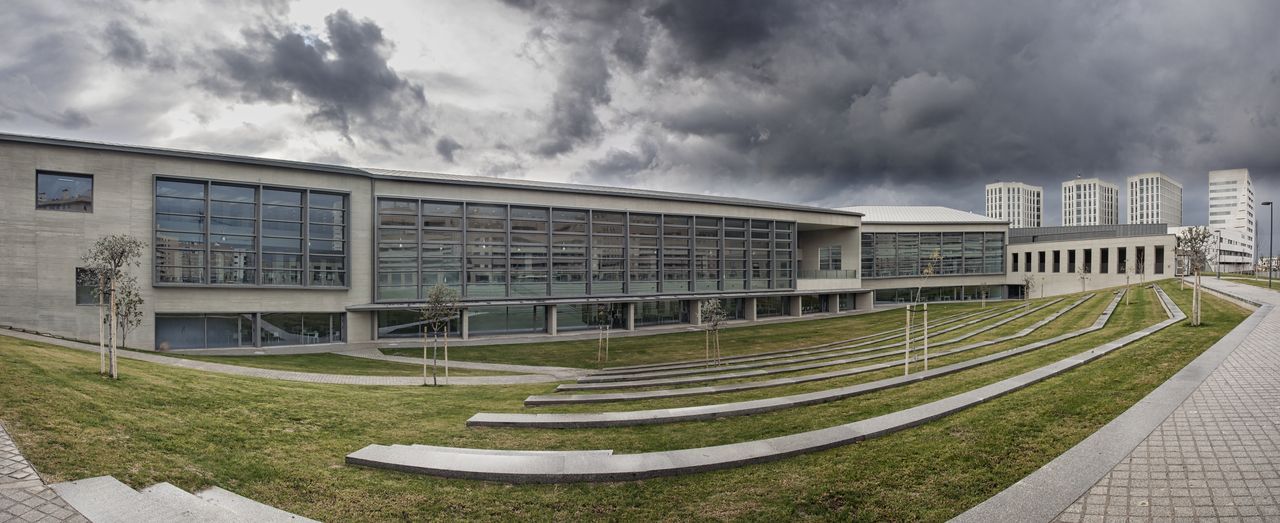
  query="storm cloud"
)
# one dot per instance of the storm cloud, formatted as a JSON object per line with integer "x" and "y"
{"x": 816, "y": 102}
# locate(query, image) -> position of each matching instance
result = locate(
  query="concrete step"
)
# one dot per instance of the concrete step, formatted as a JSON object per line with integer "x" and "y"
{"x": 247, "y": 509}
{"x": 106, "y": 500}
{"x": 193, "y": 508}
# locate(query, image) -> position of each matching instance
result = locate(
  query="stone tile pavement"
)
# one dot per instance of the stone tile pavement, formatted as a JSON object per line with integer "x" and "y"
{"x": 23, "y": 495}
{"x": 1217, "y": 457}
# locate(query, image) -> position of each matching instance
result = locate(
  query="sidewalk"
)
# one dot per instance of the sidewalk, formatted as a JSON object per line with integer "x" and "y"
{"x": 23, "y": 495}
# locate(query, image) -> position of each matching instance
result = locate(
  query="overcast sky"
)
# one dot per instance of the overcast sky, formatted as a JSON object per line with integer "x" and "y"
{"x": 833, "y": 104}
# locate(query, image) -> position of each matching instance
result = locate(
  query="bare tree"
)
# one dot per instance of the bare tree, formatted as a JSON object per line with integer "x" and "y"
{"x": 128, "y": 307}
{"x": 1195, "y": 244}
{"x": 603, "y": 321}
{"x": 1028, "y": 285}
{"x": 713, "y": 315}
{"x": 932, "y": 264}
{"x": 1082, "y": 273}
{"x": 111, "y": 258}
{"x": 440, "y": 308}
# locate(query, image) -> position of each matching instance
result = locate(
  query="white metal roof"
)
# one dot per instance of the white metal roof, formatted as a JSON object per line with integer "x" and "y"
{"x": 918, "y": 214}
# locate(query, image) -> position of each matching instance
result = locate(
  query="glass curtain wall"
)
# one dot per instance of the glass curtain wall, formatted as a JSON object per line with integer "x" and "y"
{"x": 892, "y": 255}
{"x": 500, "y": 251}
{"x": 216, "y": 330}
{"x": 219, "y": 233}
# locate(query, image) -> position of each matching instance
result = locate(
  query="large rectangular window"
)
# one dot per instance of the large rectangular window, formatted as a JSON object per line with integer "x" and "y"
{"x": 1159, "y": 269}
{"x": 85, "y": 287}
{"x": 64, "y": 192}
{"x": 888, "y": 255}
{"x": 218, "y": 330}
{"x": 829, "y": 258}
{"x": 227, "y": 233}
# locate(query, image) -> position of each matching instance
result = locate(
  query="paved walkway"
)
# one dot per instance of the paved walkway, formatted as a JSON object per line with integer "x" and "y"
{"x": 1205, "y": 445}
{"x": 23, "y": 495}
{"x": 307, "y": 377}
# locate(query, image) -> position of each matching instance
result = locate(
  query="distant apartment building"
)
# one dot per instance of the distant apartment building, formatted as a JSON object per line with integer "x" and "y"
{"x": 1229, "y": 250}
{"x": 1015, "y": 202}
{"x": 1155, "y": 198}
{"x": 1090, "y": 201}
{"x": 1231, "y": 205}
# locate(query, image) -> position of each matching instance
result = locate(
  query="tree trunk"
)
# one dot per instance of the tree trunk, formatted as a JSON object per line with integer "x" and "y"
{"x": 926, "y": 337}
{"x": 434, "y": 352}
{"x": 424, "y": 355}
{"x": 706, "y": 345}
{"x": 606, "y": 344}
{"x": 906, "y": 346}
{"x": 446, "y": 356}
{"x": 102, "y": 329}
{"x": 114, "y": 373}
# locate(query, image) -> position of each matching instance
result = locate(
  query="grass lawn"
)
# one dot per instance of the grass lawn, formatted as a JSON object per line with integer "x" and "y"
{"x": 659, "y": 348}
{"x": 284, "y": 443}
{"x": 333, "y": 364}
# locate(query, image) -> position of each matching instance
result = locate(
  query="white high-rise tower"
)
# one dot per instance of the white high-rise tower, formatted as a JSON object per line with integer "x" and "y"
{"x": 1231, "y": 204}
{"x": 1155, "y": 198}
{"x": 1090, "y": 201}
{"x": 1015, "y": 202}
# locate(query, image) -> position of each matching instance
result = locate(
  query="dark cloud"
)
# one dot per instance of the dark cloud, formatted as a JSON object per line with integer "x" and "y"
{"x": 708, "y": 30}
{"x": 123, "y": 44}
{"x": 345, "y": 78}
{"x": 446, "y": 146}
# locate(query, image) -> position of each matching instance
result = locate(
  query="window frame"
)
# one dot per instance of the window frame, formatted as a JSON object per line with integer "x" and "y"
{"x": 47, "y": 172}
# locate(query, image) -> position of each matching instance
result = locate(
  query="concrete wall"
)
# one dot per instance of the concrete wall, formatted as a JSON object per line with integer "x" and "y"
{"x": 1049, "y": 283}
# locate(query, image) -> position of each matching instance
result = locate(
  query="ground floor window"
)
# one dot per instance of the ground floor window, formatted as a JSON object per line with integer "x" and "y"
{"x": 407, "y": 323}
{"x": 953, "y": 293}
{"x": 847, "y": 302}
{"x": 813, "y": 304}
{"x": 506, "y": 320}
{"x": 661, "y": 312}
{"x": 772, "y": 306}
{"x": 224, "y": 330}
{"x": 734, "y": 308}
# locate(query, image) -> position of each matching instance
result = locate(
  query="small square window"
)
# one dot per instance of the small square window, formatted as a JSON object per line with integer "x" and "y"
{"x": 85, "y": 294}
{"x": 64, "y": 192}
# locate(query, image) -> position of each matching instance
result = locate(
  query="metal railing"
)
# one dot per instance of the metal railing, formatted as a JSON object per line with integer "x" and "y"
{"x": 816, "y": 274}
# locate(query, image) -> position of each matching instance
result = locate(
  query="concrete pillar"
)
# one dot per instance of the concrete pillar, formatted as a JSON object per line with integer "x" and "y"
{"x": 630, "y": 310}
{"x": 795, "y": 306}
{"x": 695, "y": 312}
{"x": 833, "y": 303}
{"x": 750, "y": 305}
{"x": 552, "y": 319}
{"x": 864, "y": 301}
{"x": 465, "y": 324}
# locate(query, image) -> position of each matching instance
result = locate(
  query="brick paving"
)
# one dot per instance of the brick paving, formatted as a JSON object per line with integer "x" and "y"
{"x": 552, "y": 375}
{"x": 23, "y": 495}
{"x": 1217, "y": 457}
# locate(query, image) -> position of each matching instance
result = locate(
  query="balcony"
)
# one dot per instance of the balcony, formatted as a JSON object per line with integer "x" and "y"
{"x": 820, "y": 280}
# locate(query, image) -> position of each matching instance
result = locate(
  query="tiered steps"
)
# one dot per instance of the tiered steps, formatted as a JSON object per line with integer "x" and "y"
{"x": 106, "y": 500}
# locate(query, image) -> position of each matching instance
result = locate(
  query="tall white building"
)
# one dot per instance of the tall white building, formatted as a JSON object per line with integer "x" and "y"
{"x": 1015, "y": 202}
{"x": 1155, "y": 198}
{"x": 1090, "y": 201}
{"x": 1231, "y": 204}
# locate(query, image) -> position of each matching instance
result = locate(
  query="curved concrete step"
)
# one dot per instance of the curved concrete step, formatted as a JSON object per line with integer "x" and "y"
{"x": 844, "y": 344}
{"x": 572, "y": 399}
{"x": 744, "y": 408}
{"x": 752, "y": 362}
{"x": 822, "y": 361}
{"x": 248, "y": 509}
{"x": 577, "y": 467}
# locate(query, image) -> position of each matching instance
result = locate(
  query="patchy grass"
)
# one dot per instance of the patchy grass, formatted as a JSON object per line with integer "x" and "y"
{"x": 689, "y": 345}
{"x": 284, "y": 443}
{"x": 333, "y": 364}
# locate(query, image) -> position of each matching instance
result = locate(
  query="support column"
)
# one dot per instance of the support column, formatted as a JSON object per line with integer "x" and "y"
{"x": 464, "y": 324}
{"x": 864, "y": 301}
{"x": 833, "y": 303}
{"x": 795, "y": 306}
{"x": 750, "y": 309}
{"x": 695, "y": 312}
{"x": 631, "y": 316}
{"x": 552, "y": 320}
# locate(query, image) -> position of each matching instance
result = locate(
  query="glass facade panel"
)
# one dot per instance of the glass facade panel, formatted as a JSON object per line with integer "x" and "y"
{"x": 892, "y": 255}
{"x": 216, "y": 330}
{"x": 661, "y": 312}
{"x": 210, "y": 232}
{"x": 505, "y": 320}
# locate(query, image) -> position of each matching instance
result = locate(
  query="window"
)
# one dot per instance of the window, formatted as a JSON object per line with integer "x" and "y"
{"x": 1057, "y": 261}
{"x": 220, "y": 233}
{"x": 829, "y": 258}
{"x": 85, "y": 284}
{"x": 1159, "y": 269}
{"x": 64, "y": 192}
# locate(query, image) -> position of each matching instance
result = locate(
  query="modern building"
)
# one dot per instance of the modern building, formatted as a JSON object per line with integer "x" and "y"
{"x": 1231, "y": 251}
{"x": 1155, "y": 198}
{"x": 1061, "y": 260}
{"x": 1090, "y": 201}
{"x": 1015, "y": 202}
{"x": 935, "y": 253}
{"x": 1231, "y": 205}
{"x": 247, "y": 251}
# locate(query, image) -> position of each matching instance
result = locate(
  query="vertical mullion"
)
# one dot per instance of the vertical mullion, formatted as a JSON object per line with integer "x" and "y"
{"x": 463, "y": 253}
{"x": 208, "y": 238}
{"x": 550, "y": 242}
{"x": 418, "y": 255}
{"x": 626, "y": 252}
{"x": 721, "y": 242}
{"x": 506, "y": 227}
{"x": 306, "y": 237}
{"x": 257, "y": 232}
{"x": 591, "y": 252}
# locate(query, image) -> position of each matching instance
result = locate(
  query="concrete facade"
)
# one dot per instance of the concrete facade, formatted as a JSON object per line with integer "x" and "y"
{"x": 1019, "y": 204}
{"x": 43, "y": 247}
{"x": 1091, "y": 254}
{"x": 1155, "y": 198}
{"x": 1090, "y": 201}
{"x": 1232, "y": 205}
